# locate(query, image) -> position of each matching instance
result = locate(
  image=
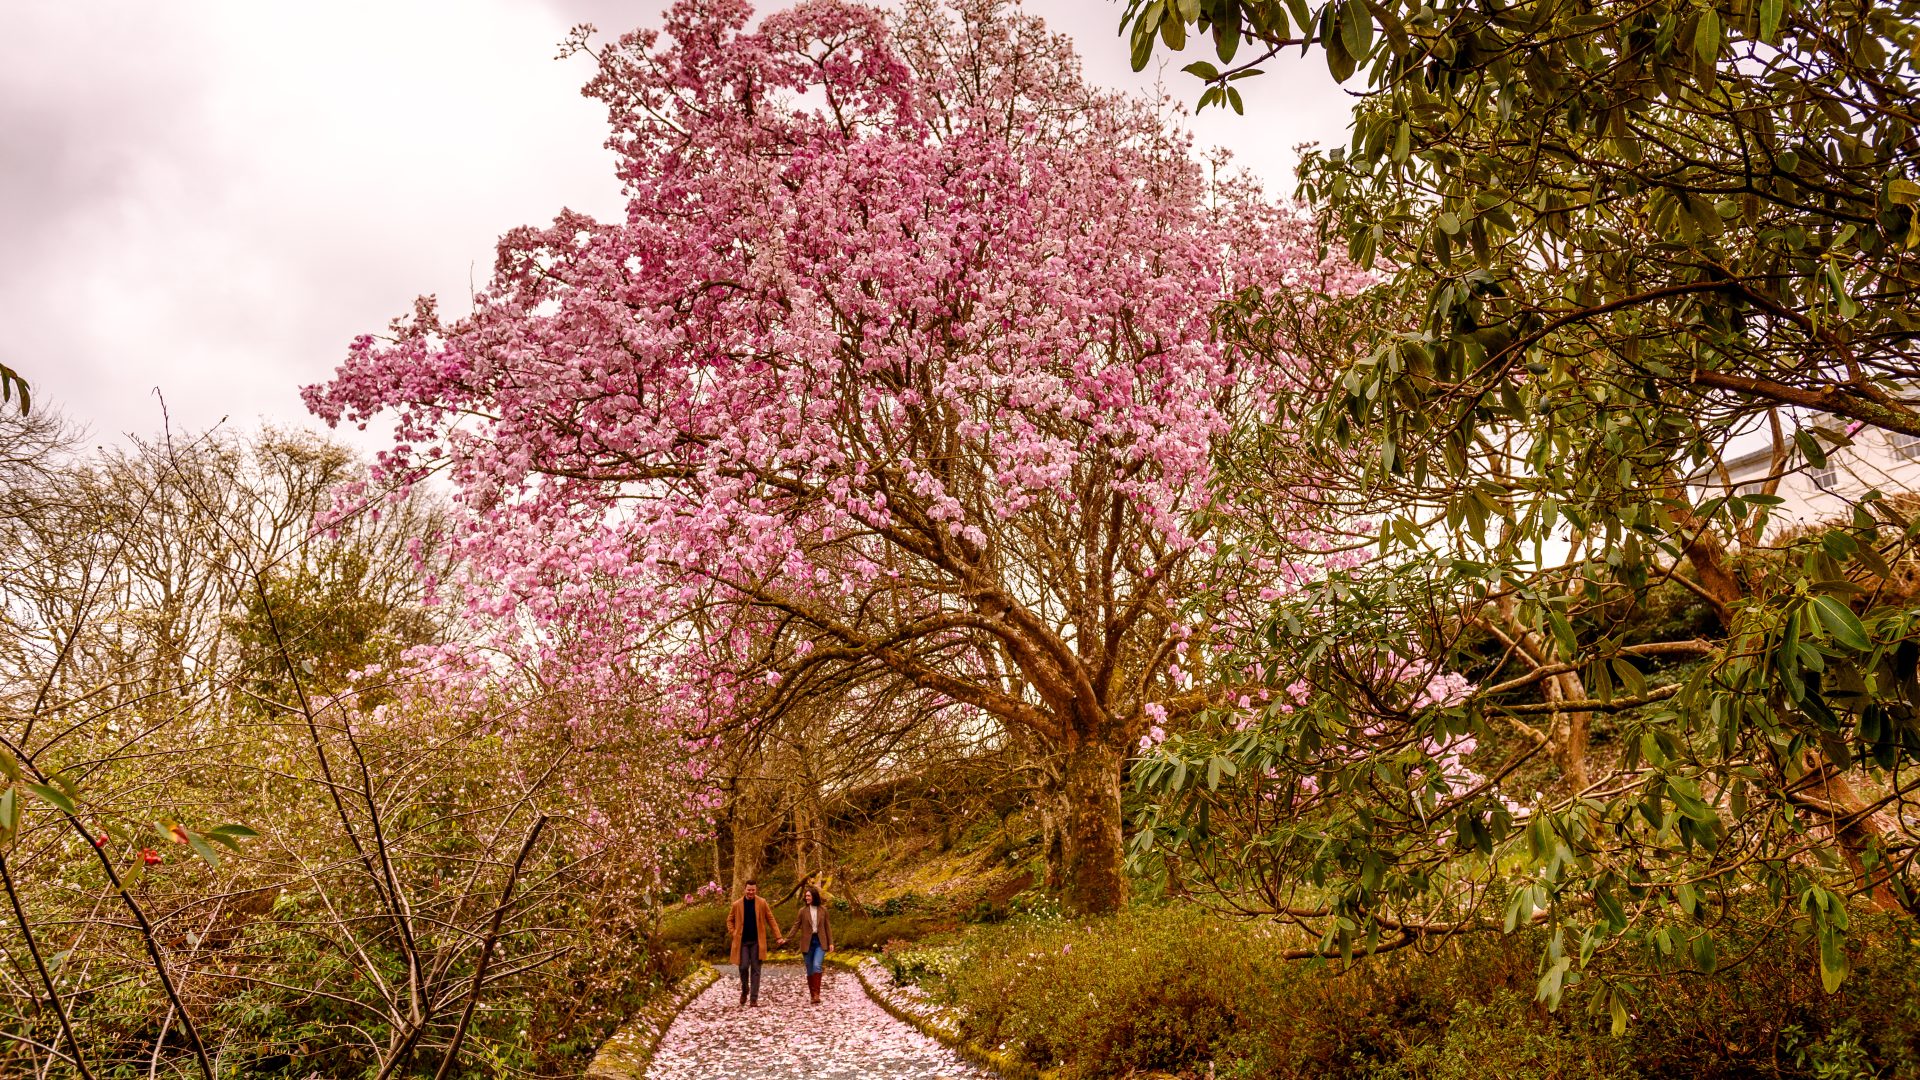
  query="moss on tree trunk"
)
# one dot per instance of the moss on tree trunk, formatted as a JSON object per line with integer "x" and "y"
{"x": 1094, "y": 877}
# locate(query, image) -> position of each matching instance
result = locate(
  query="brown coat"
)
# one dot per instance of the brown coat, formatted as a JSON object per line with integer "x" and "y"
{"x": 737, "y": 925}
{"x": 799, "y": 935}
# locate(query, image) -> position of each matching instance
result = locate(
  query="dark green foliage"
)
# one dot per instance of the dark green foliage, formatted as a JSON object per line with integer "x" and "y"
{"x": 697, "y": 929}
{"x": 1146, "y": 990}
{"x": 1171, "y": 990}
{"x": 331, "y": 618}
{"x": 1714, "y": 201}
{"x": 1618, "y": 246}
{"x": 1506, "y": 1037}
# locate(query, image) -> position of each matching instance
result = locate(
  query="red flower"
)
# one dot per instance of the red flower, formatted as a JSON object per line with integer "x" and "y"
{"x": 149, "y": 856}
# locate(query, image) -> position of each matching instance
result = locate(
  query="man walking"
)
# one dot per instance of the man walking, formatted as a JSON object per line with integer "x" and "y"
{"x": 754, "y": 932}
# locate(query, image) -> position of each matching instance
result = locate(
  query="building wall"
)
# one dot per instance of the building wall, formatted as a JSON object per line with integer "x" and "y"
{"x": 1877, "y": 460}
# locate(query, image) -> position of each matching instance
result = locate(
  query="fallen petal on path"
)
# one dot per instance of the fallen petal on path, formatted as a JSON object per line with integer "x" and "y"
{"x": 846, "y": 1037}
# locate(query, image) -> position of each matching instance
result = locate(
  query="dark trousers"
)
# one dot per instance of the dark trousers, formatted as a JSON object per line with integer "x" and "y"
{"x": 750, "y": 971}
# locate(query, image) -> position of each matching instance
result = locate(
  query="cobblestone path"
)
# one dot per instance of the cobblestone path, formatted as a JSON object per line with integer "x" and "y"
{"x": 847, "y": 1037}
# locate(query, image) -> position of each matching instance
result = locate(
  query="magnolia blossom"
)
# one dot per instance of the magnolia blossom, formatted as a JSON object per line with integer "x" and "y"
{"x": 893, "y": 297}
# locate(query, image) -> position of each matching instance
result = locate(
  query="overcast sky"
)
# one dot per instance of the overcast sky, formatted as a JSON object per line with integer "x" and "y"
{"x": 211, "y": 198}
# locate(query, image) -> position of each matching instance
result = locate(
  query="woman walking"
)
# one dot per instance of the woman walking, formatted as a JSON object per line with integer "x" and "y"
{"x": 814, "y": 930}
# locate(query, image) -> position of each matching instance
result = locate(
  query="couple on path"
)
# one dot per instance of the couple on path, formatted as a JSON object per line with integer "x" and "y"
{"x": 754, "y": 932}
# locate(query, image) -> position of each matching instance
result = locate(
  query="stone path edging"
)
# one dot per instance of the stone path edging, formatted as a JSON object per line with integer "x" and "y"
{"x": 911, "y": 1006}
{"x": 626, "y": 1054}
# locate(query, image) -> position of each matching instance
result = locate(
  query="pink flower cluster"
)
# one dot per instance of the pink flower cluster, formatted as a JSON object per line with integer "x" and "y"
{"x": 885, "y": 289}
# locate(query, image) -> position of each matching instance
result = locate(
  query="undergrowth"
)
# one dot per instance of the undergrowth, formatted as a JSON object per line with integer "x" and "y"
{"x": 1172, "y": 990}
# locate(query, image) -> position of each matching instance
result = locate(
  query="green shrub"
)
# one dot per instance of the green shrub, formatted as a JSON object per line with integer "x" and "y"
{"x": 1148, "y": 990}
{"x": 1508, "y": 1037}
{"x": 1771, "y": 1017}
{"x": 871, "y": 934}
{"x": 909, "y": 963}
{"x": 698, "y": 930}
{"x": 1173, "y": 990}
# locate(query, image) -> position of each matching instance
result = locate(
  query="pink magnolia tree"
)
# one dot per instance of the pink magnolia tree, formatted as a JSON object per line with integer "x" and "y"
{"x": 898, "y": 367}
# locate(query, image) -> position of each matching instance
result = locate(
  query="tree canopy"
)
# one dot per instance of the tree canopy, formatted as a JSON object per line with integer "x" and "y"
{"x": 1619, "y": 245}
{"x": 899, "y": 365}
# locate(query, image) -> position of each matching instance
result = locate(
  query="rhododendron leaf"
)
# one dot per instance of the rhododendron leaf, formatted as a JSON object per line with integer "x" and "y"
{"x": 1226, "y": 36}
{"x": 1174, "y": 32}
{"x": 1630, "y": 677}
{"x": 1706, "y": 957}
{"x": 1706, "y": 37}
{"x": 52, "y": 795}
{"x": 1842, "y": 623}
{"x": 1834, "y": 963}
{"x": 1356, "y": 28}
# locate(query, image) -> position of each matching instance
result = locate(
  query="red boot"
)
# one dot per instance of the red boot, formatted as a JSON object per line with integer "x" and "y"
{"x": 813, "y": 984}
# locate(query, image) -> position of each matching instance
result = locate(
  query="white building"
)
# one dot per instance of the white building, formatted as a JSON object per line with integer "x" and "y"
{"x": 1877, "y": 460}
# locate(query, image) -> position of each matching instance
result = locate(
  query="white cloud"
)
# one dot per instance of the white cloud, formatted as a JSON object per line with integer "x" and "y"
{"x": 213, "y": 198}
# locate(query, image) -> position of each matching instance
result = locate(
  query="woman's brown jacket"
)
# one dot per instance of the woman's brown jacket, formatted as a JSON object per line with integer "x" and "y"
{"x": 800, "y": 937}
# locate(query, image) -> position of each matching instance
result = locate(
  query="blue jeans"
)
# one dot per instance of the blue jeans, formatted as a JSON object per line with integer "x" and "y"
{"x": 816, "y": 956}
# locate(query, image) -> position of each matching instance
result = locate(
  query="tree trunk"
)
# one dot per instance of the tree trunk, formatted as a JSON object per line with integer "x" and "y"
{"x": 1570, "y": 731}
{"x": 1048, "y": 806}
{"x": 809, "y": 849}
{"x": 798, "y": 822}
{"x": 1092, "y": 846}
{"x": 754, "y": 824}
{"x": 809, "y": 811}
{"x": 1855, "y": 829}
{"x": 746, "y": 860}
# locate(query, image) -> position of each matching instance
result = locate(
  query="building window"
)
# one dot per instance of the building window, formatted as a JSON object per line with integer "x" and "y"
{"x": 1904, "y": 445}
{"x": 1824, "y": 476}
